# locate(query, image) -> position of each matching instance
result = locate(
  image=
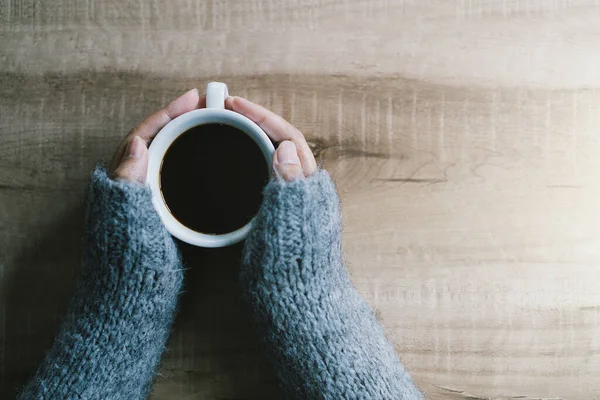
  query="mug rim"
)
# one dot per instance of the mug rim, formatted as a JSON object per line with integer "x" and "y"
{"x": 159, "y": 147}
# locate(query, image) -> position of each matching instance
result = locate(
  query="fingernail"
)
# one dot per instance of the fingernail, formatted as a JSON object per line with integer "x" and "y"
{"x": 287, "y": 153}
{"x": 135, "y": 147}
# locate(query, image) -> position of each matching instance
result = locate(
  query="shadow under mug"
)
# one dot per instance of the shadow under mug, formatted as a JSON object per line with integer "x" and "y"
{"x": 214, "y": 113}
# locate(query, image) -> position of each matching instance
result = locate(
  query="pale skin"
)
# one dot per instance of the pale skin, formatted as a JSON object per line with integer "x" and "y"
{"x": 292, "y": 160}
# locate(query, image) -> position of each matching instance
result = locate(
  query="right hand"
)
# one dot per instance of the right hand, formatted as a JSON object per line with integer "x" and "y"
{"x": 293, "y": 158}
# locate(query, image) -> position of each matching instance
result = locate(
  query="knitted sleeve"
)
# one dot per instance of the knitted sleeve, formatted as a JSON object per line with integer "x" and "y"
{"x": 119, "y": 318}
{"x": 321, "y": 337}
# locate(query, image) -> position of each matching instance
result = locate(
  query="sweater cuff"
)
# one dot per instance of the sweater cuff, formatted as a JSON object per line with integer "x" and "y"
{"x": 312, "y": 200}
{"x": 296, "y": 235}
{"x": 123, "y": 229}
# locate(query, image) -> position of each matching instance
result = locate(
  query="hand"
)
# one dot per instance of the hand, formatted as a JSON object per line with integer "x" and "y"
{"x": 293, "y": 157}
{"x": 130, "y": 162}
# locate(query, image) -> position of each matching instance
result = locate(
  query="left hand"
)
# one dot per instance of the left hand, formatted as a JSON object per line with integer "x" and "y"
{"x": 130, "y": 162}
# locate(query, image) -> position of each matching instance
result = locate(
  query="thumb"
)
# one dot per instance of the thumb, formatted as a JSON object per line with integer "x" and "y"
{"x": 134, "y": 164}
{"x": 286, "y": 161}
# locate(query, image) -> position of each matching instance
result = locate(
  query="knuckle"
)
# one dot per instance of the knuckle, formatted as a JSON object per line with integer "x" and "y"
{"x": 165, "y": 114}
{"x": 136, "y": 128}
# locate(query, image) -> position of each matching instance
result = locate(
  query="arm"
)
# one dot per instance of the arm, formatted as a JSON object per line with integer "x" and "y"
{"x": 320, "y": 335}
{"x": 115, "y": 330}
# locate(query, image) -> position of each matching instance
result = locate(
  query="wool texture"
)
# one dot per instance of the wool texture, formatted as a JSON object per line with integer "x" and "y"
{"x": 119, "y": 318}
{"x": 321, "y": 337}
{"x": 319, "y": 334}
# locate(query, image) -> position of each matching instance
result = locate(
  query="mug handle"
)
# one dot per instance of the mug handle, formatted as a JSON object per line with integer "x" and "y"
{"x": 216, "y": 93}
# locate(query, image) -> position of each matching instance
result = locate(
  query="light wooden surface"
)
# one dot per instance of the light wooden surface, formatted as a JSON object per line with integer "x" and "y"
{"x": 463, "y": 135}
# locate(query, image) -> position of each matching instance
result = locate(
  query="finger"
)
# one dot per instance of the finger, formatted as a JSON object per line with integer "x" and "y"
{"x": 277, "y": 128}
{"x": 134, "y": 165}
{"x": 286, "y": 161}
{"x": 148, "y": 128}
{"x": 155, "y": 122}
{"x": 202, "y": 102}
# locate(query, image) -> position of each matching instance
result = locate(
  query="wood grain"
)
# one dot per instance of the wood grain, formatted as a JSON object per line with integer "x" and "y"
{"x": 463, "y": 137}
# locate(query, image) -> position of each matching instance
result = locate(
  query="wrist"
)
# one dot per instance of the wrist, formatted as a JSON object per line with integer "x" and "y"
{"x": 122, "y": 228}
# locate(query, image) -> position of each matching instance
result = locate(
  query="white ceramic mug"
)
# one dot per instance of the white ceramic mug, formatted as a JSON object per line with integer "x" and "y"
{"x": 215, "y": 112}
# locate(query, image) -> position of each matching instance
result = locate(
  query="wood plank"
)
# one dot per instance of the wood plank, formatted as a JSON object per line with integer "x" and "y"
{"x": 462, "y": 136}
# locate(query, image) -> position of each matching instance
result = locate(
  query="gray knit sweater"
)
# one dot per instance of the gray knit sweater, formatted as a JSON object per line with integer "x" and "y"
{"x": 320, "y": 336}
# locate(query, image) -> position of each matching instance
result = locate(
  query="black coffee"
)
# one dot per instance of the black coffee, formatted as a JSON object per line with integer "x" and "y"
{"x": 212, "y": 178}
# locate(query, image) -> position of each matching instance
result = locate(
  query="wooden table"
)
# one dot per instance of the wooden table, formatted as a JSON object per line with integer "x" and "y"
{"x": 463, "y": 135}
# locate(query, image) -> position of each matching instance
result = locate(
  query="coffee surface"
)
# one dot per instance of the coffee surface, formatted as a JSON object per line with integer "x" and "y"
{"x": 212, "y": 178}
